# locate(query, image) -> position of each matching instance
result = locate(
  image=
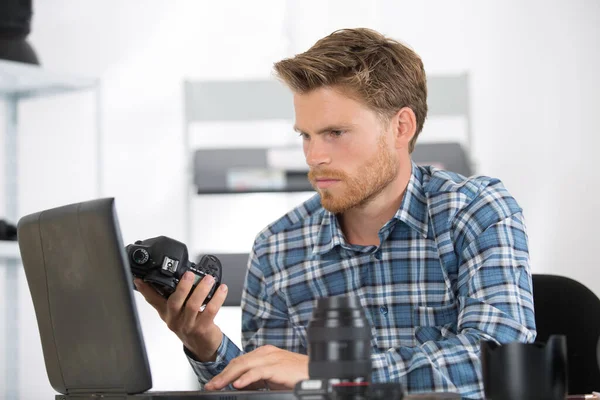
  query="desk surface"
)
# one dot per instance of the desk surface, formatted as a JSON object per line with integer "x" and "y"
{"x": 237, "y": 395}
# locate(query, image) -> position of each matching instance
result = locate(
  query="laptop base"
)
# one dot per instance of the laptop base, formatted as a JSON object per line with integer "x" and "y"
{"x": 183, "y": 395}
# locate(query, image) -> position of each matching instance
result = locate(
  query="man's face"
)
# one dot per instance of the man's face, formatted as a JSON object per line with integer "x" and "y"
{"x": 349, "y": 150}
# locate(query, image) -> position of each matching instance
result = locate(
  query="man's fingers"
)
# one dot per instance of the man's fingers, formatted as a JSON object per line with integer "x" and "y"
{"x": 194, "y": 303}
{"x": 151, "y": 296}
{"x": 181, "y": 292}
{"x": 281, "y": 369}
{"x": 237, "y": 367}
{"x": 215, "y": 304}
{"x": 255, "y": 378}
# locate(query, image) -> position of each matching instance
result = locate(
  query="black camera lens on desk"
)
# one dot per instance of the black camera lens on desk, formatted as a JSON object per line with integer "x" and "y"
{"x": 339, "y": 353}
{"x": 339, "y": 340}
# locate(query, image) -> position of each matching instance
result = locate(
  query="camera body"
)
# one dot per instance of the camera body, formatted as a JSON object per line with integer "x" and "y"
{"x": 162, "y": 261}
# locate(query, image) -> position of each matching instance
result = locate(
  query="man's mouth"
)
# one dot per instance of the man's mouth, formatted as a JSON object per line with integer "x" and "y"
{"x": 324, "y": 183}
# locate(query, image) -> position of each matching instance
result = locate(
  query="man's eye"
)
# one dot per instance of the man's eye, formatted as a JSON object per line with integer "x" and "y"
{"x": 304, "y": 136}
{"x": 336, "y": 133}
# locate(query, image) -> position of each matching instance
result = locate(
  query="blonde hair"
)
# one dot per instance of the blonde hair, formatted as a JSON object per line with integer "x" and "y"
{"x": 383, "y": 73}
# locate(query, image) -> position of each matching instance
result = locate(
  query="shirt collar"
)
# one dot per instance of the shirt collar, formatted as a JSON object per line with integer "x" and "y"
{"x": 413, "y": 212}
{"x": 330, "y": 234}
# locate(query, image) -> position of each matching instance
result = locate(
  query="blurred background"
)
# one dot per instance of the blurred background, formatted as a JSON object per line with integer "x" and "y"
{"x": 533, "y": 121}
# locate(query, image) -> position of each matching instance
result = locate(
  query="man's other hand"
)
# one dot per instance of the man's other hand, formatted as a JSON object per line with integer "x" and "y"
{"x": 265, "y": 367}
{"x": 195, "y": 328}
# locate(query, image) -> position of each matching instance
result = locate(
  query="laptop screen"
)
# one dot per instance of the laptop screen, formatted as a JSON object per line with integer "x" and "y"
{"x": 81, "y": 288}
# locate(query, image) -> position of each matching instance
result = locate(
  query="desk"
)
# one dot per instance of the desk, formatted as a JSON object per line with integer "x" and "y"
{"x": 230, "y": 395}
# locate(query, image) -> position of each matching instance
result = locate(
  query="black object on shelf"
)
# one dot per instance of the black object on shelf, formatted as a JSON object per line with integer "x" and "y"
{"x": 15, "y": 25}
{"x": 7, "y": 231}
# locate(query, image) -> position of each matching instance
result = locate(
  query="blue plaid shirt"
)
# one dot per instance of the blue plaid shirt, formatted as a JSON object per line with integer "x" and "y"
{"x": 452, "y": 269}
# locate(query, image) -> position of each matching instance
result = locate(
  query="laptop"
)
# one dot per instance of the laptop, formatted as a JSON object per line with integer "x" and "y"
{"x": 82, "y": 291}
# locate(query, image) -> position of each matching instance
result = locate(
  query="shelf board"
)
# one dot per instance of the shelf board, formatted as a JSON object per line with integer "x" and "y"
{"x": 26, "y": 80}
{"x": 212, "y": 166}
{"x": 9, "y": 250}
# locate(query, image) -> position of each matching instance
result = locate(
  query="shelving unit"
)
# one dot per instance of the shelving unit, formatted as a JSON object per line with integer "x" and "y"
{"x": 209, "y": 170}
{"x": 19, "y": 82}
{"x": 9, "y": 251}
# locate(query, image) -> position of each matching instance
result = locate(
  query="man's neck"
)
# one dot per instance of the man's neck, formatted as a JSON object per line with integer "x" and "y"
{"x": 361, "y": 225}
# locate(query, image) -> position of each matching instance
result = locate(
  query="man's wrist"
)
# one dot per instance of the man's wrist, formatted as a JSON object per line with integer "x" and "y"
{"x": 206, "y": 351}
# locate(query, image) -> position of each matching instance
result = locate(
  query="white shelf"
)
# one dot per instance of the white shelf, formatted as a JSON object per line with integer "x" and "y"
{"x": 26, "y": 80}
{"x": 20, "y": 81}
{"x": 9, "y": 250}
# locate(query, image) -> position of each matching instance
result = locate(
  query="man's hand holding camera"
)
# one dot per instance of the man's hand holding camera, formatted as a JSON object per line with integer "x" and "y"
{"x": 266, "y": 367}
{"x": 157, "y": 260}
{"x": 195, "y": 328}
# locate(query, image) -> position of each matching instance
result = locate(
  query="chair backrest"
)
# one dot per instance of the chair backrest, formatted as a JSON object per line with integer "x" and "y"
{"x": 565, "y": 306}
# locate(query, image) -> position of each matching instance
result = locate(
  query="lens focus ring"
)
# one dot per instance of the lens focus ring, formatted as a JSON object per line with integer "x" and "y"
{"x": 339, "y": 337}
{"x": 140, "y": 256}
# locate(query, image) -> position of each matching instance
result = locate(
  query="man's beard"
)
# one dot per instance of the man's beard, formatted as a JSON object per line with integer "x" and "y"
{"x": 356, "y": 191}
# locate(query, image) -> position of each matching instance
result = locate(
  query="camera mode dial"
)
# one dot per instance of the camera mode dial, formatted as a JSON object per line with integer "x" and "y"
{"x": 140, "y": 256}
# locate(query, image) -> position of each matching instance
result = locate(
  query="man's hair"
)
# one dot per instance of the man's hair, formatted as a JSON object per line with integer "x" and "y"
{"x": 381, "y": 72}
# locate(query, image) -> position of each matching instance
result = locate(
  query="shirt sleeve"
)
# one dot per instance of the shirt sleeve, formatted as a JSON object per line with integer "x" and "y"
{"x": 495, "y": 302}
{"x": 205, "y": 371}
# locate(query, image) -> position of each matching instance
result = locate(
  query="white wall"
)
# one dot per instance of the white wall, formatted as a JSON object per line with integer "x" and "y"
{"x": 534, "y": 101}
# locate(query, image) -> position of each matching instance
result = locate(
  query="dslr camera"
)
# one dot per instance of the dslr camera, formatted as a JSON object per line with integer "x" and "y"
{"x": 162, "y": 261}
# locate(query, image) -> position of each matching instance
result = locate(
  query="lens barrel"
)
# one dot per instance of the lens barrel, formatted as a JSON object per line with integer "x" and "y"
{"x": 339, "y": 340}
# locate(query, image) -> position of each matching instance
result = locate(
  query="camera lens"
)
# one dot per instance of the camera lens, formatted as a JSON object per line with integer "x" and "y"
{"x": 339, "y": 338}
{"x": 140, "y": 256}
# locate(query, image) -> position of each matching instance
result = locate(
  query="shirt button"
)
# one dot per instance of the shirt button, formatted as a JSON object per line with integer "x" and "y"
{"x": 378, "y": 254}
{"x": 220, "y": 367}
{"x": 384, "y": 310}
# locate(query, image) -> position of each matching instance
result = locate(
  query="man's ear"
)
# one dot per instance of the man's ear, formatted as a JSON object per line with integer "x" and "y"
{"x": 404, "y": 125}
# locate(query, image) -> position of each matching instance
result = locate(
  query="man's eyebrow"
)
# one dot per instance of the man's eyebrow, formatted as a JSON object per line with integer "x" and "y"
{"x": 328, "y": 128}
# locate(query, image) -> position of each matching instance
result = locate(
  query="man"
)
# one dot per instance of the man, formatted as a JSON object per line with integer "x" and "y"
{"x": 438, "y": 260}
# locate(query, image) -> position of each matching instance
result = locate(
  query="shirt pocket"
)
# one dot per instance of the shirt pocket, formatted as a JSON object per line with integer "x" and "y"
{"x": 435, "y": 323}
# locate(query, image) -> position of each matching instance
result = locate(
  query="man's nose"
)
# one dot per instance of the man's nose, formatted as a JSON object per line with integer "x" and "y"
{"x": 316, "y": 153}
